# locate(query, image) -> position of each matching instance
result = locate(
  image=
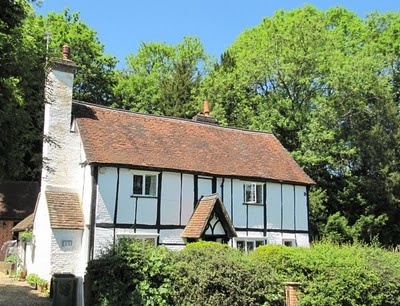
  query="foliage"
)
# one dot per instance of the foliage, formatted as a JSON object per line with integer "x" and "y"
{"x": 326, "y": 83}
{"x": 26, "y": 236}
{"x": 202, "y": 274}
{"x": 163, "y": 79}
{"x": 337, "y": 275}
{"x": 22, "y": 73}
{"x": 32, "y": 279}
{"x": 132, "y": 273}
{"x": 208, "y": 273}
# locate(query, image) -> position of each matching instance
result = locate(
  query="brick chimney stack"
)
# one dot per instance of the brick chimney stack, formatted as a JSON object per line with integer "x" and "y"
{"x": 66, "y": 52}
{"x": 206, "y": 110}
{"x": 205, "y": 115}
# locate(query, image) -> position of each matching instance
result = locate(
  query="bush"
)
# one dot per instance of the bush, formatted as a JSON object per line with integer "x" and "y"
{"x": 208, "y": 273}
{"x": 334, "y": 274}
{"x": 131, "y": 274}
{"x": 202, "y": 274}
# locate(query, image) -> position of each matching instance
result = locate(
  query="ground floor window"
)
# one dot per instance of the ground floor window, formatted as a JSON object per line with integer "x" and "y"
{"x": 289, "y": 242}
{"x": 146, "y": 238}
{"x": 249, "y": 244}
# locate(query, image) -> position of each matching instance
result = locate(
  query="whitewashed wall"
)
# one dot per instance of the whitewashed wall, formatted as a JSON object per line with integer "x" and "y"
{"x": 42, "y": 241}
{"x": 66, "y": 259}
{"x": 286, "y": 206}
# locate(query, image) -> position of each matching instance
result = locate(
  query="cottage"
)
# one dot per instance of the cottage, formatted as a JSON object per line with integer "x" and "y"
{"x": 112, "y": 173}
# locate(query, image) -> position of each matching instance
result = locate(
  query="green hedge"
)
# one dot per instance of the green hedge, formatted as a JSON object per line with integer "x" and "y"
{"x": 338, "y": 275}
{"x": 207, "y": 273}
{"x": 204, "y": 273}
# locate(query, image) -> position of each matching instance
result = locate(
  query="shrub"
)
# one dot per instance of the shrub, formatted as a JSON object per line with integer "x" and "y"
{"x": 208, "y": 273}
{"x": 32, "y": 279}
{"x": 334, "y": 274}
{"x": 131, "y": 274}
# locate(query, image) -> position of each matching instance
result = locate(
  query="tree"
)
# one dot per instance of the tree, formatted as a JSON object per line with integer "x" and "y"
{"x": 163, "y": 79}
{"x": 22, "y": 75}
{"x": 326, "y": 84}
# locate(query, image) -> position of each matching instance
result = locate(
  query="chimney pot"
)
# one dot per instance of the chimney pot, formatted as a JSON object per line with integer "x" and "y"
{"x": 206, "y": 110}
{"x": 66, "y": 52}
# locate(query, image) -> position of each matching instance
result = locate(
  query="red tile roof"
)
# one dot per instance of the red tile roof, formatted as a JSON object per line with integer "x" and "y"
{"x": 64, "y": 209}
{"x": 202, "y": 214}
{"x": 17, "y": 199}
{"x": 112, "y": 136}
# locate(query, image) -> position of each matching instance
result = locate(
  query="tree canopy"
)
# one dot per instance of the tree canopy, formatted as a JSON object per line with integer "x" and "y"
{"x": 326, "y": 84}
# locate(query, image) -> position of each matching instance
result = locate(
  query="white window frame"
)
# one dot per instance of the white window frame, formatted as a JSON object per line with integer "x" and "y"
{"x": 253, "y": 186}
{"x": 250, "y": 244}
{"x": 145, "y": 176}
{"x": 140, "y": 237}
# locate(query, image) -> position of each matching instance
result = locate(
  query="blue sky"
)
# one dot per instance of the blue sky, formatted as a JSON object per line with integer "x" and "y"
{"x": 122, "y": 25}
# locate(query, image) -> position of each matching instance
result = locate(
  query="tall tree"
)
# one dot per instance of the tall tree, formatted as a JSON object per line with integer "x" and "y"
{"x": 163, "y": 79}
{"x": 326, "y": 84}
{"x": 22, "y": 75}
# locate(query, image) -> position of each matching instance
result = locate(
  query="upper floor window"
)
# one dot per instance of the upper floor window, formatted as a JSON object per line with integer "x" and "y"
{"x": 145, "y": 184}
{"x": 253, "y": 193}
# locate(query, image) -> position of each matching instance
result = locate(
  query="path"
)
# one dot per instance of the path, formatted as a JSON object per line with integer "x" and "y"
{"x": 16, "y": 292}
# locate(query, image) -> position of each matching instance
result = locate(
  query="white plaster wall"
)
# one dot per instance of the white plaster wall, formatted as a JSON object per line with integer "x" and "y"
{"x": 86, "y": 193}
{"x": 301, "y": 208}
{"x": 104, "y": 238}
{"x": 274, "y": 238}
{"x": 146, "y": 211}
{"x": 41, "y": 248}
{"x": 106, "y": 190}
{"x": 256, "y": 216}
{"x": 205, "y": 186}
{"x": 227, "y": 196}
{"x": 187, "y": 198}
{"x": 171, "y": 236}
{"x": 170, "y": 198}
{"x": 302, "y": 240}
{"x": 25, "y": 252}
{"x": 239, "y": 209}
{"x": 273, "y": 205}
{"x": 66, "y": 259}
{"x": 288, "y": 207}
{"x": 249, "y": 234}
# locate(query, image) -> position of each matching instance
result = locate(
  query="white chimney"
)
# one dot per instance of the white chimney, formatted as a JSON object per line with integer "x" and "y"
{"x": 58, "y": 142}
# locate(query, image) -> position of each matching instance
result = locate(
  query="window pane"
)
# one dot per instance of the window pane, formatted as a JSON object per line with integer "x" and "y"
{"x": 240, "y": 245}
{"x": 249, "y": 193}
{"x": 250, "y": 246}
{"x": 259, "y": 243}
{"x": 259, "y": 194}
{"x": 137, "y": 184}
{"x": 150, "y": 187}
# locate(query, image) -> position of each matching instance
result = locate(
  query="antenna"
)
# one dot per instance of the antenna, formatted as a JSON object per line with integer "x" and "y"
{"x": 47, "y": 34}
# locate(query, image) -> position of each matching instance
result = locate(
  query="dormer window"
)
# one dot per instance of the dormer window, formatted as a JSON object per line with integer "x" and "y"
{"x": 253, "y": 193}
{"x": 145, "y": 185}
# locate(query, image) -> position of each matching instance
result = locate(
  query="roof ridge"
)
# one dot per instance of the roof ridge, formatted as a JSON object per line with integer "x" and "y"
{"x": 190, "y": 121}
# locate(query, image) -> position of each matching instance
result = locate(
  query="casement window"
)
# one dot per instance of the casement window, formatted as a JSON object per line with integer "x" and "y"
{"x": 253, "y": 193}
{"x": 145, "y": 184}
{"x": 145, "y": 238}
{"x": 249, "y": 245}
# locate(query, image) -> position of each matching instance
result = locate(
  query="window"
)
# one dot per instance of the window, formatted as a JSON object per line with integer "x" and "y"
{"x": 253, "y": 193}
{"x": 249, "y": 245}
{"x": 145, "y": 184}
{"x": 145, "y": 238}
{"x": 289, "y": 242}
